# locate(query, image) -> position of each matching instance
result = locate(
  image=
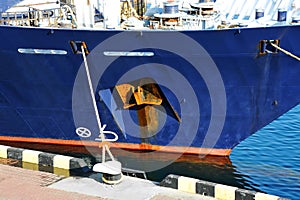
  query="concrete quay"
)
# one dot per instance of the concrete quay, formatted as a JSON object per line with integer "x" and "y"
{"x": 32, "y": 174}
{"x": 18, "y": 183}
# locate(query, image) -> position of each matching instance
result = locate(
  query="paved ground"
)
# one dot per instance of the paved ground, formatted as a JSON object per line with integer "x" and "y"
{"x": 17, "y": 183}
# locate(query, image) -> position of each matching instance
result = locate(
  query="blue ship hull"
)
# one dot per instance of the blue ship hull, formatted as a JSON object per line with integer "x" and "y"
{"x": 217, "y": 89}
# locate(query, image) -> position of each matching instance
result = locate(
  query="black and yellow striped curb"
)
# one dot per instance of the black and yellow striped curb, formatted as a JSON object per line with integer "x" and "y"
{"x": 41, "y": 161}
{"x": 215, "y": 190}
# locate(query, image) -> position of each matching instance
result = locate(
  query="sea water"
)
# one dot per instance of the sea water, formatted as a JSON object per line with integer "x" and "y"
{"x": 269, "y": 160}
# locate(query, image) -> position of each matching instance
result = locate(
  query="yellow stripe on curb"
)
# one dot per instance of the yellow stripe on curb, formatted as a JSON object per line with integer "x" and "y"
{"x": 3, "y": 151}
{"x": 60, "y": 161}
{"x": 31, "y": 166}
{"x": 187, "y": 184}
{"x": 224, "y": 192}
{"x": 262, "y": 196}
{"x": 30, "y": 156}
{"x": 61, "y": 172}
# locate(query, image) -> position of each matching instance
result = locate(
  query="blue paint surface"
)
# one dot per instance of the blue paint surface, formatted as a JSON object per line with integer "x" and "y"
{"x": 36, "y": 89}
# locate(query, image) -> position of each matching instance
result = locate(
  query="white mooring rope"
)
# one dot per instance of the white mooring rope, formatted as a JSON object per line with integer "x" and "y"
{"x": 101, "y": 128}
{"x": 285, "y": 51}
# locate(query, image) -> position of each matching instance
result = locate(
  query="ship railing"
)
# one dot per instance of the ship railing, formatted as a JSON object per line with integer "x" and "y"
{"x": 57, "y": 17}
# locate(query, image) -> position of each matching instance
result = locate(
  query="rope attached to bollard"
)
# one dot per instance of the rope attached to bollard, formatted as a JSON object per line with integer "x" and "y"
{"x": 285, "y": 51}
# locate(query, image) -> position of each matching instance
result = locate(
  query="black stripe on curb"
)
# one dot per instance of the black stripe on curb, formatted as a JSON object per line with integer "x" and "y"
{"x": 47, "y": 162}
{"x": 241, "y": 194}
{"x": 170, "y": 181}
{"x": 215, "y": 190}
{"x": 15, "y": 153}
{"x": 77, "y": 165}
{"x": 205, "y": 188}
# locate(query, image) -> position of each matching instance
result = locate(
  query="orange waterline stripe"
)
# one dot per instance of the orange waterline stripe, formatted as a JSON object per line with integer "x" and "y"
{"x": 130, "y": 146}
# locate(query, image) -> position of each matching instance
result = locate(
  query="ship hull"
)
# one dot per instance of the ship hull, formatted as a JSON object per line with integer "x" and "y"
{"x": 217, "y": 86}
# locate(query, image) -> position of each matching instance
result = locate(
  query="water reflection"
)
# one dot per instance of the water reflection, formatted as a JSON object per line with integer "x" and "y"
{"x": 210, "y": 168}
